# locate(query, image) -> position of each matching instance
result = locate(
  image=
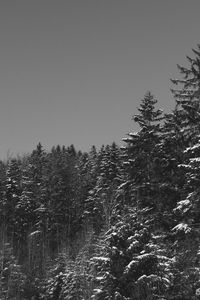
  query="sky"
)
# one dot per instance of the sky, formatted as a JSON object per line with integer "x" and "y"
{"x": 75, "y": 71}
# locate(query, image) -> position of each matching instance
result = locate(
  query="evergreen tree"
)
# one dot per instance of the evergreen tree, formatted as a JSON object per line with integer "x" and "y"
{"x": 11, "y": 198}
{"x": 140, "y": 155}
{"x": 187, "y": 97}
{"x": 101, "y": 200}
{"x": 186, "y": 231}
{"x": 25, "y": 215}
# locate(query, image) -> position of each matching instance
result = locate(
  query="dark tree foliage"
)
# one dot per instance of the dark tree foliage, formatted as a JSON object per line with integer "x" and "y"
{"x": 187, "y": 97}
{"x": 109, "y": 224}
{"x": 141, "y": 157}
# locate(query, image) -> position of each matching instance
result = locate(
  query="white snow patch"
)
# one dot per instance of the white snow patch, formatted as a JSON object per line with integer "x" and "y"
{"x": 182, "y": 227}
{"x": 101, "y": 258}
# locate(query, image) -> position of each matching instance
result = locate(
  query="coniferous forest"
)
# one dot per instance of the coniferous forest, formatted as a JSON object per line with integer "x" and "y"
{"x": 117, "y": 223}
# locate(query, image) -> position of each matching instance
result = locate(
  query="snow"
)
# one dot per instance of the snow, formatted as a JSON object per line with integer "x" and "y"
{"x": 198, "y": 292}
{"x": 131, "y": 238}
{"x": 145, "y": 255}
{"x": 99, "y": 278}
{"x": 185, "y": 166}
{"x": 182, "y": 227}
{"x": 142, "y": 278}
{"x": 34, "y": 233}
{"x": 97, "y": 291}
{"x": 196, "y": 159}
{"x": 192, "y": 148}
{"x": 133, "y": 245}
{"x": 131, "y": 265}
{"x": 123, "y": 185}
{"x": 183, "y": 205}
{"x": 101, "y": 258}
{"x": 133, "y": 134}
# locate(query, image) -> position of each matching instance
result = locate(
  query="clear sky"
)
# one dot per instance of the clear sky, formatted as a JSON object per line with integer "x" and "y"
{"x": 74, "y": 71}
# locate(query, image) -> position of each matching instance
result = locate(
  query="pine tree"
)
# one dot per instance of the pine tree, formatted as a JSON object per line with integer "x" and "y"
{"x": 138, "y": 267}
{"x": 101, "y": 199}
{"x": 11, "y": 197}
{"x": 188, "y": 97}
{"x": 186, "y": 231}
{"x": 25, "y": 215}
{"x": 140, "y": 155}
{"x": 65, "y": 199}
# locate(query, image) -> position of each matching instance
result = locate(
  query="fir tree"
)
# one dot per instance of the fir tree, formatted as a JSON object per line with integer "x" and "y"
{"x": 140, "y": 153}
{"x": 188, "y": 96}
{"x": 11, "y": 197}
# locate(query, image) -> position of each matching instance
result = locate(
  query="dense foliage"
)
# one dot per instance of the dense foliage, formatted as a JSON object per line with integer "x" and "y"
{"x": 114, "y": 223}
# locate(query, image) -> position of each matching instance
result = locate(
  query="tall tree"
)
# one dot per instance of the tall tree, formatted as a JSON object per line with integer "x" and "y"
{"x": 140, "y": 153}
{"x": 11, "y": 197}
{"x": 102, "y": 197}
{"x": 187, "y": 96}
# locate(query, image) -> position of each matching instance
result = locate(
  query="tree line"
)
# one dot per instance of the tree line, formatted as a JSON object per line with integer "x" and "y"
{"x": 118, "y": 223}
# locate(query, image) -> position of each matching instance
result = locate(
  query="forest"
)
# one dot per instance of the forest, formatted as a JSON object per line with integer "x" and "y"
{"x": 117, "y": 223}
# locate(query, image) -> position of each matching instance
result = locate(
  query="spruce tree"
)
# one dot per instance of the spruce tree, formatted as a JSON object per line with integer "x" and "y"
{"x": 140, "y": 155}
{"x": 186, "y": 229}
{"x": 11, "y": 197}
{"x": 187, "y": 96}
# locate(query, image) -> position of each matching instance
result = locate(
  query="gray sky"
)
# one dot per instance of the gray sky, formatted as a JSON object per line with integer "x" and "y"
{"x": 74, "y": 71}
